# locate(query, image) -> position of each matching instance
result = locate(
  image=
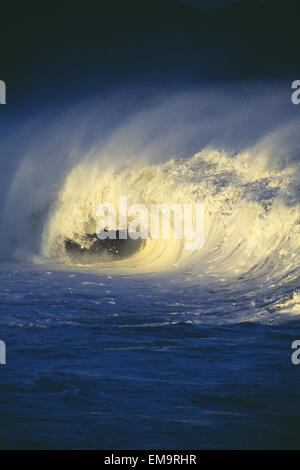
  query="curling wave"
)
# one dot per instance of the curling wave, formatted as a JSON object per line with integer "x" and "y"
{"x": 250, "y": 195}
{"x": 251, "y": 213}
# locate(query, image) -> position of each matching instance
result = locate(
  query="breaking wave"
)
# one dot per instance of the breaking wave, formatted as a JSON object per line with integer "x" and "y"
{"x": 249, "y": 185}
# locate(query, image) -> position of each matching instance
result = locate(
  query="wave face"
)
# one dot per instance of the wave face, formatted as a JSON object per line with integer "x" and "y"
{"x": 244, "y": 171}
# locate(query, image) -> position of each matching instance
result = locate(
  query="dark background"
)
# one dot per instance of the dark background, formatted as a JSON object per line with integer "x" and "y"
{"x": 59, "y": 52}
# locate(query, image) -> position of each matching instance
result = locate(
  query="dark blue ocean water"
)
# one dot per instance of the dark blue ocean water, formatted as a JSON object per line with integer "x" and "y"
{"x": 122, "y": 362}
